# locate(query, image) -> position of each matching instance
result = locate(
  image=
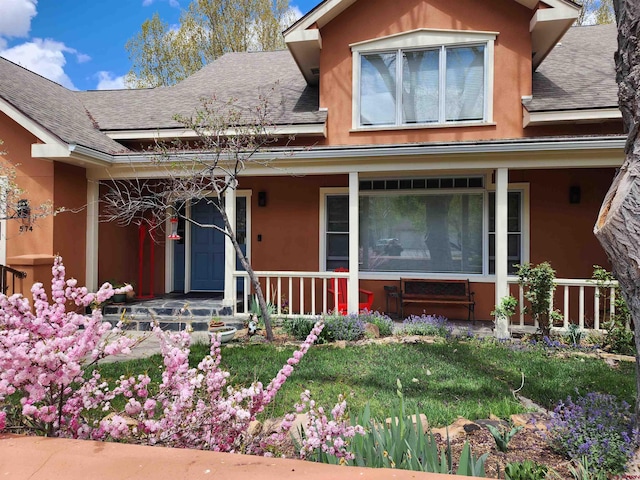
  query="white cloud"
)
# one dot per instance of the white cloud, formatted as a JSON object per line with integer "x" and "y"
{"x": 45, "y": 57}
{"x": 15, "y": 20}
{"x": 172, "y": 3}
{"x": 106, "y": 81}
{"x": 82, "y": 57}
{"x": 294, "y": 12}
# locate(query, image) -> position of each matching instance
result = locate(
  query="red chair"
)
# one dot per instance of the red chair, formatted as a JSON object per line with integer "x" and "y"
{"x": 342, "y": 294}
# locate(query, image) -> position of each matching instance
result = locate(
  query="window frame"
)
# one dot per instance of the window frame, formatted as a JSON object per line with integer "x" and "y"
{"x": 523, "y": 188}
{"x": 417, "y": 40}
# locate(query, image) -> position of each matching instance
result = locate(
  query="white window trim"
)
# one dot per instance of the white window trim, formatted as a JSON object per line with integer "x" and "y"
{"x": 525, "y": 244}
{"x": 418, "y": 39}
{"x": 479, "y": 278}
{"x": 324, "y": 193}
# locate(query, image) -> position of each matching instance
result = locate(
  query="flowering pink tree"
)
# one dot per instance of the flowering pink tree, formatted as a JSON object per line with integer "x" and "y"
{"x": 43, "y": 351}
{"x": 44, "y": 354}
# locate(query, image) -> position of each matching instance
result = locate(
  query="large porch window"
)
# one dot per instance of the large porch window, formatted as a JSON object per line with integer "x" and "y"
{"x": 431, "y": 233}
{"x": 428, "y": 226}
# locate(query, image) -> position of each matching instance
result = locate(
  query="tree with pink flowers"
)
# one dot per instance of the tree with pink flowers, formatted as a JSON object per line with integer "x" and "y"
{"x": 46, "y": 352}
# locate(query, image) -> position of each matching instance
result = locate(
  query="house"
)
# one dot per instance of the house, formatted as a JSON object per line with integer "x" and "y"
{"x": 433, "y": 139}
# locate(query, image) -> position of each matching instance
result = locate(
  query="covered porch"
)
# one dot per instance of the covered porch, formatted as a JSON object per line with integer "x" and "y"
{"x": 503, "y": 205}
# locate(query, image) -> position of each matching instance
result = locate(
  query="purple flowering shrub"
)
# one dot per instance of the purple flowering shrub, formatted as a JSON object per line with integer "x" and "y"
{"x": 433, "y": 325}
{"x": 344, "y": 327}
{"x": 44, "y": 354}
{"x": 596, "y": 428}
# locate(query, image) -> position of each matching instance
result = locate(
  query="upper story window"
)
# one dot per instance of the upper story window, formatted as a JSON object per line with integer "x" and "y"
{"x": 423, "y": 78}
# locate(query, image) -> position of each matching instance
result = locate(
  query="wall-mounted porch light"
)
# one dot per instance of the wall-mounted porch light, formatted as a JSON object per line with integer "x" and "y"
{"x": 174, "y": 229}
{"x": 23, "y": 212}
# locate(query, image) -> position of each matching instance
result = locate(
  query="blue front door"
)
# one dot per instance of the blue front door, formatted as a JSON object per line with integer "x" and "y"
{"x": 207, "y": 249}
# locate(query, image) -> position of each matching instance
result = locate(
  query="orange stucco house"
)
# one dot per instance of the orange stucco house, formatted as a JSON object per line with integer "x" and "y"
{"x": 433, "y": 139}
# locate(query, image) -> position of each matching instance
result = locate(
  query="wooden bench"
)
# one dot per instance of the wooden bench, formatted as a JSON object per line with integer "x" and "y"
{"x": 437, "y": 292}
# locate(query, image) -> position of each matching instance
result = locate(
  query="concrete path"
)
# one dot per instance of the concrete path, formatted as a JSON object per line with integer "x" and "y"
{"x": 150, "y": 345}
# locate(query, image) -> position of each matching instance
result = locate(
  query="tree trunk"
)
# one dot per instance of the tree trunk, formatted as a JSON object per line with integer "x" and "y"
{"x": 437, "y": 237}
{"x": 618, "y": 224}
{"x": 264, "y": 310}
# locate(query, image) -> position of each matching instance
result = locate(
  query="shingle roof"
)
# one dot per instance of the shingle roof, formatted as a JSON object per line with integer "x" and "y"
{"x": 54, "y": 107}
{"x": 243, "y": 76}
{"x": 579, "y": 73}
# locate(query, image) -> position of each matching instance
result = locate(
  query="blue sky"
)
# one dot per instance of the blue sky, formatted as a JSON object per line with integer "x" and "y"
{"x": 80, "y": 44}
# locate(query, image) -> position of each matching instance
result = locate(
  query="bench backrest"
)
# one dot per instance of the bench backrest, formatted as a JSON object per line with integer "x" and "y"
{"x": 435, "y": 288}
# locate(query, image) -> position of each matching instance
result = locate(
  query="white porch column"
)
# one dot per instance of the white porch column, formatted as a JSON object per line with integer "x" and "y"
{"x": 229, "y": 251}
{"x": 354, "y": 243}
{"x": 91, "y": 252}
{"x": 502, "y": 288}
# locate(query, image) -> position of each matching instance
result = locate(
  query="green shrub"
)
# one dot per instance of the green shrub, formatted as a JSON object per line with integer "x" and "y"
{"x": 299, "y": 327}
{"x": 502, "y": 436}
{"x": 538, "y": 284}
{"x": 527, "y": 470}
{"x": 382, "y": 321}
{"x": 336, "y": 327}
{"x": 618, "y": 339}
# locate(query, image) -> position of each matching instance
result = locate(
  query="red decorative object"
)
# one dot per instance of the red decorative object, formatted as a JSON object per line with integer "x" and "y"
{"x": 174, "y": 229}
{"x": 342, "y": 294}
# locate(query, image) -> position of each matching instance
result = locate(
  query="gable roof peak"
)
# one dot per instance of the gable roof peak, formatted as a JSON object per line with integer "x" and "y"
{"x": 304, "y": 39}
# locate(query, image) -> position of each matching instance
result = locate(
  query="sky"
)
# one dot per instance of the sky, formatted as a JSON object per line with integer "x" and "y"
{"x": 80, "y": 43}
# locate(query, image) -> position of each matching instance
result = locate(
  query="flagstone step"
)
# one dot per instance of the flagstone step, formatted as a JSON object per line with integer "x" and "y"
{"x": 171, "y": 314}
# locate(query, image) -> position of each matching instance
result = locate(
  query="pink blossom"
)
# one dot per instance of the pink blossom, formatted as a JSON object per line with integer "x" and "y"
{"x": 44, "y": 351}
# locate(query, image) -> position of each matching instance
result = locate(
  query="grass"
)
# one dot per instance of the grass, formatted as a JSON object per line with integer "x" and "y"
{"x": 442, "y": 380}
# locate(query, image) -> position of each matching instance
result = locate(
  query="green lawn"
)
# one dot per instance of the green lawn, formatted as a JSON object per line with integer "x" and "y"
{"x": 442, "y": 380}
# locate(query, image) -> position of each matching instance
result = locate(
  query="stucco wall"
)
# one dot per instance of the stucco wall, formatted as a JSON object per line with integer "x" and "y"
{"x": 35, "y": 177}
{"x": 70, "y": 227}
{"x": 379, "y": 18}
{"x": 290, "y": 223}
{"x": 118, "y": 255}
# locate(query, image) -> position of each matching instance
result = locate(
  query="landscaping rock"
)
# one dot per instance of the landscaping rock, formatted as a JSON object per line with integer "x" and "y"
{"x": 271, "y": 425}
{"x": 498, "y": 423}
{"x": 530, "y": 421}
{"x": 298, "y": 425}
{"x": 255, "y": 427}
{"x": 371, "y": 330}
{"x": 340, "y": 344}
{"x": 456, "y": 429}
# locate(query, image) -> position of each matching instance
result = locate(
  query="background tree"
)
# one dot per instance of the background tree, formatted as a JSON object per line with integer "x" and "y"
{"x": 162, "y": 55}
{"x": 618, "y": 224}
{"x": 202, "y": 170}
{"x": 596, "y": 12}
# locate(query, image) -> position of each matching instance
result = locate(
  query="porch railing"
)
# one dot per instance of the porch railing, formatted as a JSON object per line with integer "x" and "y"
{"x": 299, "y": 294}
{"x": 593, "y": 301}
{"x": 5, "y": 274}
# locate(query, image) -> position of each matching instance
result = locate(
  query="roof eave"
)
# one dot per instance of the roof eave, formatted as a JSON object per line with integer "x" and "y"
{"x": 548, "y": 26}
{"x": 558, "y": 117}
{"x": 304, "y": 41}
{"x": 303, "y": 129}
{"x": 72, "y": 154}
